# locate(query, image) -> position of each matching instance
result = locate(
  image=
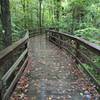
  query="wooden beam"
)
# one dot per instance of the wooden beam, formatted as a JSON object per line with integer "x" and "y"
{"x": 17, "y": 77}
{"x": 93, "y": 47}
{"x": 11, "y": 48}
{"x": 13, "y": 68}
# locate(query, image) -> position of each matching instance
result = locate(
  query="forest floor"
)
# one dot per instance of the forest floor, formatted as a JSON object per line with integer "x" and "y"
{"x": 51, "y": 74}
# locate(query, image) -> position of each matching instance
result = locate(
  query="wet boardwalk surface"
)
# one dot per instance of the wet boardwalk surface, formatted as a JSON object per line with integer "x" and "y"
{"x": 51, "y": 75}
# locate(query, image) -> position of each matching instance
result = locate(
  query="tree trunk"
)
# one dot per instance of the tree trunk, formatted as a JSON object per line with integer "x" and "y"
{"x": 6, "y": 22}
{"x": 24, "y": 10}
{"x": 57, "y": 12}
{"x": 40, "y": 15}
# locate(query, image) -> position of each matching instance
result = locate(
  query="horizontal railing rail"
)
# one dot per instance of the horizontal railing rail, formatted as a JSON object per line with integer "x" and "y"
{"x": 86, "y": 54}
{"x": 13, "y": 61}
{"x": 36, "y": 31}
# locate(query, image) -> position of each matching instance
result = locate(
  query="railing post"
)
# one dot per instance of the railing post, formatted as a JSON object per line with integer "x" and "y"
{"x": 0, "y": 90}
{"x": 77, "y": 52}
{"x": 27, "y": 43}
{"x": 61, "y": 43}
{"x": 0, "y": 95}
{"x": 47, "y": 34}
{"x": 50, "y": 34}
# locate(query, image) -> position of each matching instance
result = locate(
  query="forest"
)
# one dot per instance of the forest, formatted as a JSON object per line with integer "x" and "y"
{"x": 76, "y": 18}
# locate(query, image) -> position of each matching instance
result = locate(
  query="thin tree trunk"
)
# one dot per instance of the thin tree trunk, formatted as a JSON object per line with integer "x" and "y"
{"x": 57, "y": 12}
{"x": 38, "y": 18}
{"x": 28, "y": 15}
{"x": 43, "y": 16}
{"x": 24, "y": 10}
{"x": 6, "y": 22}
{"x": 6, "y": 26}
{"x": 52, "y": 13}
{"x": 40, "y": 15}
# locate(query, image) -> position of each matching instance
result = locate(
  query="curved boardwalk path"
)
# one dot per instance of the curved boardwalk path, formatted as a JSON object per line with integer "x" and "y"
{"x": 53, "y": 75}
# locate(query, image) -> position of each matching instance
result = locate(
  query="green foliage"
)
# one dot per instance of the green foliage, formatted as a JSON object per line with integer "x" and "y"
{"x": 91, "y": 34}
{"x": 24, "y": 15}
{"x": 82, "y": 18}
{"x": 77, "y": 17}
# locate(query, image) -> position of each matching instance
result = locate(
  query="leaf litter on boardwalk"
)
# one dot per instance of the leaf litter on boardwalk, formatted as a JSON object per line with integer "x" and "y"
{"x": 81, "y": 83}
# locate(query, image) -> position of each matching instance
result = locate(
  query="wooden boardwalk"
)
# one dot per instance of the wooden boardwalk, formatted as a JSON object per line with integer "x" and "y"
{"x": 52, "y": 75}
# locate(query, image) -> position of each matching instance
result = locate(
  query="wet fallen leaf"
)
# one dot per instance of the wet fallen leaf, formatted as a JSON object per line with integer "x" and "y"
{"x": 49, "y": 98}
{"x": 22, "y": 96}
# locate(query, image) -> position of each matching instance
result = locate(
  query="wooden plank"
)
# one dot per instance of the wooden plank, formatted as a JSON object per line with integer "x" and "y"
{"x": 65, "y": 42}
{"x": 17, "y": 77}
{"x": 13, "y": 68}
{"x": 1, "y": 85}
{"x": 11, "y": 48}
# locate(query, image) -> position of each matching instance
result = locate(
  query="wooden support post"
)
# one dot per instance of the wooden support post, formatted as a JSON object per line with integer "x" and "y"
{"x": 0, "y": 95}
{"x": 27, "y": 43}
{"x": 61, "y": 43}
{"x": 47, "y": 34}
{"x": 58, "y": 40}
{"x": 77, "y": 51}
{"x": 50, "y": 34}
{"x": 0, "y": 90}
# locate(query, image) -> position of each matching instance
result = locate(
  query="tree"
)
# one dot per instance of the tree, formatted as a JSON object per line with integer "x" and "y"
{"x": 57, "y": 4}
{"x": 24, "y": 10}
{"x": 6, "y": 22}
{"x": 40, "y": 15}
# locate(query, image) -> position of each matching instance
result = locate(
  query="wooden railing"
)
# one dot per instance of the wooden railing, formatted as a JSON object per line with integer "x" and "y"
{"x": 13, "y": 61}
{"x": 86, "y": 55}
{"x": 36, "y": 31}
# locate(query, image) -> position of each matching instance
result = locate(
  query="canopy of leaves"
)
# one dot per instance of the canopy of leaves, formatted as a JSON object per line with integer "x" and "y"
{"x": 77, "y": 17}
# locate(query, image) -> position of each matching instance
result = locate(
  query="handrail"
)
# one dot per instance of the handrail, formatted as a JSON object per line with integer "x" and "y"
{"x": 10, "y": 48}
{"x": 84, "y": 53}
{"x": 18, "y": 52}
{"x": 80, "y": 40}
{"x": 36, "y": 31}
{"x": 11, "y": 70}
